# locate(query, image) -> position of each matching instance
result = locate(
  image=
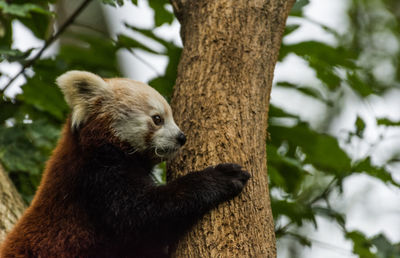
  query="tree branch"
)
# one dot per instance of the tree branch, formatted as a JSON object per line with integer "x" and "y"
{"x": 283, "y": 229}
{"x": 11, "y": 206}
{"x": 48, "y": 42}
{"x": 130, "y": 50}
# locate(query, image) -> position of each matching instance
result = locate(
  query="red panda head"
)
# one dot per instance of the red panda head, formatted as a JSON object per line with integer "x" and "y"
{"x": 136, "y": 114}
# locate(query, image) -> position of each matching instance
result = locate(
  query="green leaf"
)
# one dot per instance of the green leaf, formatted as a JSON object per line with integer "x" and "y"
{"x": 109, "y": 2}
{"x": 323, "y": 59}
{"x": 321, "y": 150}
{"x": 124, "y": 41}
{"x": 359, "y": 86}
{"x": 297, "y": 9}
{"x": 387, "y": 122}
{"x": 360, "y": 126}
{"x": 290, "y": 28}
{"x": 331, "y": 214}
{"x": 174, "y": 54}
{"x": 8, "y": 110}
{"x": 302, "y": 239}
{"x": 6, "y": 30}
{"x": 22, "y": 10}
{"x": 90, "y": 53}
{"x": 18, "y": 154}
{"x": 163, "y": 85}
{"x": 297, "y": 212}
{"x": 36, "y": 16}
{"x": 38, "y": 24}
{"x": 12, "y": 55}
{"x": 113, "y": 3}
{"x": 365, "y": 166}
{"x": 25, "y": 147}
{"x": 284, "y": 172}
{"x": 161, "y": 14}
{"x": 385, "y": 248}
{"x": 276, "y": 179}
{"x": 150, "y": 34}
{"x": 26, "y": 184}
{"x": 308, "y": 91}
{"x": 361, "y": 244}
{"x": 45, "y": 97}
{"x": 43, "y": 134}
{"x": 275, "y": 111}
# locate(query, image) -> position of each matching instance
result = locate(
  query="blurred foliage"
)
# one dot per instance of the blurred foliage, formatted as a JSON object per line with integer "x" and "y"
{"x": 30, "y": 122}
{"x": 306, "y": 164}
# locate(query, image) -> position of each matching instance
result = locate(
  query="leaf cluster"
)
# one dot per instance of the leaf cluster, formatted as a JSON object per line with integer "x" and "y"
{"x": 306, "y": 164}
{"x": 30, "y": 121}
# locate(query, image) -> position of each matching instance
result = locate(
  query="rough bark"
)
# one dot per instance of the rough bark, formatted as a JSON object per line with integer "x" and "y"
{"x": 11, "y": 205}
{"x": 221, "y": 102}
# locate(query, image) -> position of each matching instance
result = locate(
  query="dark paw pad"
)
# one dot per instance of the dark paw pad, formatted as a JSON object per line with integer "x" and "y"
{"x": 234, "y": 171}
{"x": 231, "y": 177}
{"x": 228, "y": 167}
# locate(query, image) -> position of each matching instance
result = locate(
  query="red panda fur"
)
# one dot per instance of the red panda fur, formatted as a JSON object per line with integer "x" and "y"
{"x": 97, "y": 197}
{"x": 67, "y": 228}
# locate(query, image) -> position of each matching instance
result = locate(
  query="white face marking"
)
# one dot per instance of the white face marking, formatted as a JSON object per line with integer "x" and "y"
{"x": 130, "y": 104}
{"x": 165, "y": 139}
{"x": 134, "y": 106}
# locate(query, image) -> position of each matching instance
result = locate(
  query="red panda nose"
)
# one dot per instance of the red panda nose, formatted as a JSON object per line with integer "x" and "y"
{"x": 181, "y": 139}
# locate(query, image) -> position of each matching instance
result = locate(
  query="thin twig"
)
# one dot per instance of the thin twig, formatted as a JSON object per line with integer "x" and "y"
{"x": 323, "y": 244}
{"x": 283, "y": 229}
{"x": 131, "y": 51}
{"x": 86, "y": 26}
{"x": 48, "y": 42}
{"x": 144, "y": 62}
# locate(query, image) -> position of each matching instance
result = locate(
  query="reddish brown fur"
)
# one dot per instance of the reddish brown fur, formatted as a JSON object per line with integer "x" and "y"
{"x": 97, "y": 197}
{"x": 68, "y": 227}
{"x": 38, "y": 231}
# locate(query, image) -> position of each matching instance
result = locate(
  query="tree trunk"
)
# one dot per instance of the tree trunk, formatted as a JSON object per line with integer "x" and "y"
{"x": 221, "y": 102}
{"x": 11, "y": 205}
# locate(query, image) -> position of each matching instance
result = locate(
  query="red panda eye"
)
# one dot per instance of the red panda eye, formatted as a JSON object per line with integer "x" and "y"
{"x": 157, "y": 120}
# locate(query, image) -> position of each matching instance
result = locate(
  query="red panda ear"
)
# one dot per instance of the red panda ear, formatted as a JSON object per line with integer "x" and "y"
{"x": 79, "y": 87}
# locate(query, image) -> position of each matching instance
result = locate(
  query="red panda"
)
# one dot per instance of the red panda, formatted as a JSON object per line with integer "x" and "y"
{"x": 97, "y": 197}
